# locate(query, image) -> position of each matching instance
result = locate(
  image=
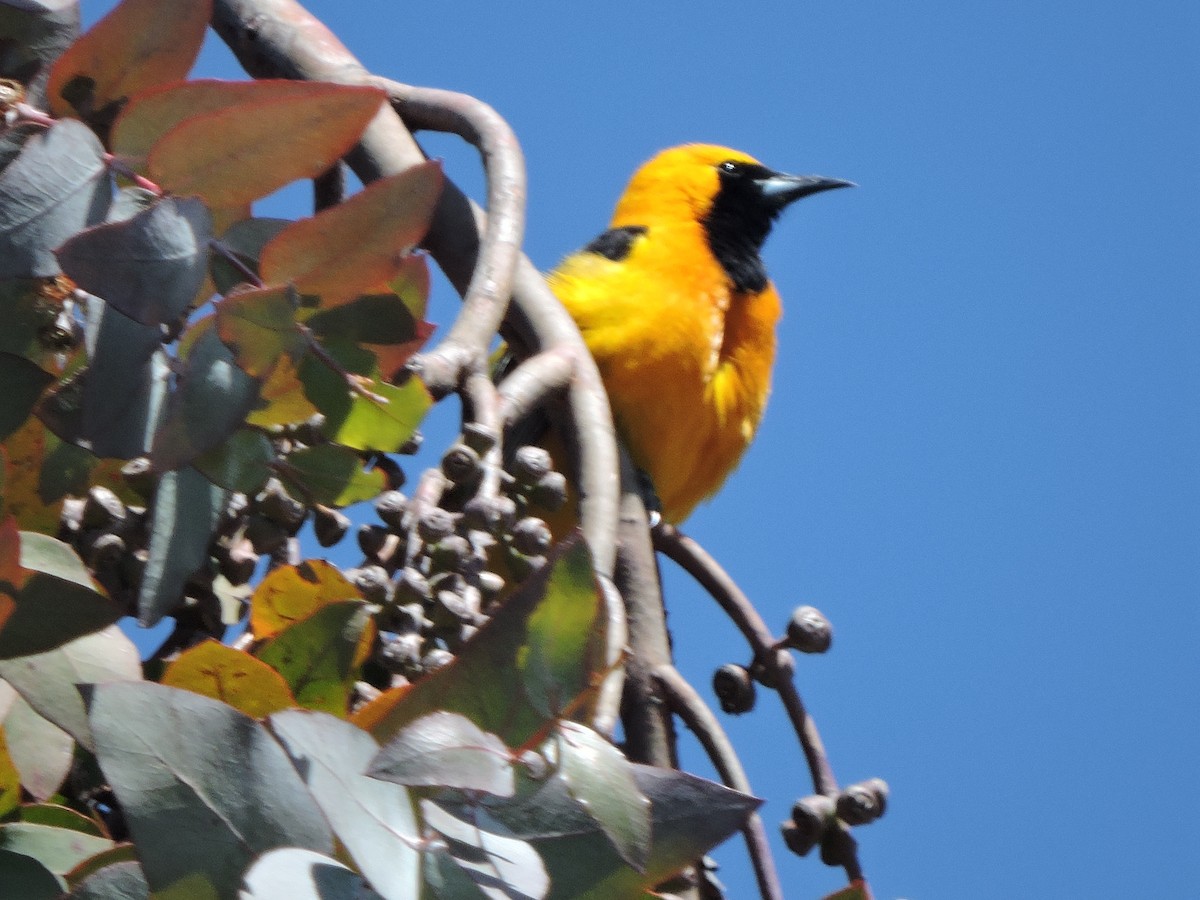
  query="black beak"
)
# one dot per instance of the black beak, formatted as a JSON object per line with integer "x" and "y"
{"x": 780, "y": 189}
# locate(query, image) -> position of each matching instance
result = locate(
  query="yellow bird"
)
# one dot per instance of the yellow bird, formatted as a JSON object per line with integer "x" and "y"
{"x": 675, "y": 304}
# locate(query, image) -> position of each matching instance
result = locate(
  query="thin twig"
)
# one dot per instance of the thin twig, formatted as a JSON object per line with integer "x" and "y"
{"x": 694, "y": 560}
{"x": 688, "y": 705}
{"x": 329, "y": 188}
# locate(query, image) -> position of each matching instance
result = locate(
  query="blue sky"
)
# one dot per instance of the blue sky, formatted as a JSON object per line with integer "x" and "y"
{"x": 982, "y": 454}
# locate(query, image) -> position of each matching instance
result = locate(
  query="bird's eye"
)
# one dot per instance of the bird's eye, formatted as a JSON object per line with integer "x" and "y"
{"x": 728, "y": 167}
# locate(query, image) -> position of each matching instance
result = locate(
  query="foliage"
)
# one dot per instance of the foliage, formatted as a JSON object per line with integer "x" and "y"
{"x": 187, "y": 385}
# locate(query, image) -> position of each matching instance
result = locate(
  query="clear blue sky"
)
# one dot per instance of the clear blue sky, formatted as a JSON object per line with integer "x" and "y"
{"x": 982, "y": 455}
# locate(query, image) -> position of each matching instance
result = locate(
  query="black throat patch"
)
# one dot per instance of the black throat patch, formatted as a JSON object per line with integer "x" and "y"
{"x": 737, "y": 224}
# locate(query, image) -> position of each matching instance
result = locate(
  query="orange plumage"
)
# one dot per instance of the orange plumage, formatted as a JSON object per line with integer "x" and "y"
{"x": 676, "y": 307}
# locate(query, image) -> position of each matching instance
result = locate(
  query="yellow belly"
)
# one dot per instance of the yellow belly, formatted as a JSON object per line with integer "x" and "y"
{"x": 686, "y": 363}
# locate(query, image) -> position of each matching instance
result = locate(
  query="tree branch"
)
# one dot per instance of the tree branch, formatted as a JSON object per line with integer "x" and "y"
{"x": 686, "y": 703}
{"x": 278, "y": 38}
{"x": 780, "y": 669}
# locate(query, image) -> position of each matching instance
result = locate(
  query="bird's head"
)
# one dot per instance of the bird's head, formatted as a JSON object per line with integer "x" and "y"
{"x": 733, "y": 196}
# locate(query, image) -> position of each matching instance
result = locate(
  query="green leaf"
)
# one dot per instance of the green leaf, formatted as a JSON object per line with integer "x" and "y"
{"x": 320, "y": 656}
{"x": 564, "y": 648}
{"x": 359, "y": 244}
{"x": 23, "y": 382}
{"x": 186, "y": 509}
{"x": 26, "y": 878}
{"x": 116, "y": 881}
{"x": 303, "y": 875}
{"x": 149, "y": 267}
{"x": 259, "y": 326}
{"x": 375, "y": 822}
{"x": 211, "y": 401}
{"x": 380, "y": 322}
{"x": 601, "y": 781}
{"x": 364, "y": 423}
{"x": 240, "y": 153}
{"x": 492, "y": 679}
{"x": 689, "y": 816}
{"x": 47, "y": 680}
{"x": 112, "y": 406}
{"x": 10, "y": 778}
{"x": 140, "y": 44}
{"x": 245, "y": 240}
{"x": 41, "y": 751}
{"x": 56, "y": 187}
{"x": 242, "y": 463}
{"x": 58, "y": 849}
{"x": 60, "y": 817}
{"x": 497, "y": 863}
{"x": 200, "y": 809}
{"x": 443, "y": 749}
{"x": 331, "y": 475}
{"x": 57, "y": 602}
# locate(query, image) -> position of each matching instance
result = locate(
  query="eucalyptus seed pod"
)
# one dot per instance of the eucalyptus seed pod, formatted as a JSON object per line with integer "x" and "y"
{"x": 329, "y": 525}
{"x": 531, "y": 536}
{"x": 809, "y": 631}
{"x": 461, "y": 465}
{"x": 390, "y": 506}
{"x": 863, "y": 803}
{"x": 530, "y": 464}
{"x": 434, "y": 524}
{"x": 734, "y": 689}
{"x": 550, "y": 492}
{"x": 479, "y": 438}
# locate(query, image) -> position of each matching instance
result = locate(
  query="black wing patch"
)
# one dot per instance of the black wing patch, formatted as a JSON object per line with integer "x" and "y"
{"x": 616, "y": 243}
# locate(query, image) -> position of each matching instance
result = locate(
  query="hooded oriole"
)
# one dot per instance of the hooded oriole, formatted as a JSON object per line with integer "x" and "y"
{"x": 674, "y": 302}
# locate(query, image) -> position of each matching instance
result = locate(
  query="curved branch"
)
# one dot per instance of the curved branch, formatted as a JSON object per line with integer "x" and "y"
{"x": 694, "y": 560}
{"x": 486, "y": 299}
{"x": 532, "y": 383}
{"x": 278, "y": 38}
{"x": 686, "y": 703}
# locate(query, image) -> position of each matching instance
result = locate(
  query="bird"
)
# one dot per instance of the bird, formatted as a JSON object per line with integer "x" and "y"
{"x": 674, "y": 302}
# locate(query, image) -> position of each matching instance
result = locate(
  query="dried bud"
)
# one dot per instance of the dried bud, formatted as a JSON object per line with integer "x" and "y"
{"x": 809, "y": 631}
{"x": 391, "y": 471}
{"x": 450, "y": 554}
{"x": 371, "y": 539}
{"x": 435, "y": 523}
{"x": 311, "y": 431}
{"x": 811, "y": 817}
{"x": 479, "y": 438}
{"x": 412, "y": 587}
{"x": 863, "y": 803}
{"x": 373, "y": 583}
{"x": 139, "y": 476}
{"x": 461, "y": 465}
{"x": 531, "y": 536}
{"x": 536, "y": 766}
{"x": 530, "y": 464}
{"x": 277, "y": 505}
{"x": 436, "y": 658}
{"x": 490, "y": 514}
{"x": 264, "y": 535}
{"x": 106, "y": 550}
{"x": 550, "y": 493}
{"x": 412, "y": 445}
{"x": 102, "y": 508}
{"x": 490, "y": 585}
{"x": 238, "y": 568}
{"x": 329, "y": 525}
{"x": 734, "y": 689}
{"x": 390, "y": 506}
{"x": 408, "y": 618}
{"x": 400, "y": 653}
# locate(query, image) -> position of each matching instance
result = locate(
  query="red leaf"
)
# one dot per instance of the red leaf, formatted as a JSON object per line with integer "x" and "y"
{"x": 243, "y": 152}
{"x": 140, "y": 44}
{"x": 359, "y": 244}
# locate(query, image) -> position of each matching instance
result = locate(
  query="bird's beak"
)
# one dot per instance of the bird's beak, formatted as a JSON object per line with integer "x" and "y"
{"x": 781, "y": 189}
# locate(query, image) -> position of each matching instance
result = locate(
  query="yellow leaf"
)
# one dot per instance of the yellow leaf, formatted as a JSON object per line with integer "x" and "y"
{"x": 291, "y": 593}
{"x": 231, "y": 676}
